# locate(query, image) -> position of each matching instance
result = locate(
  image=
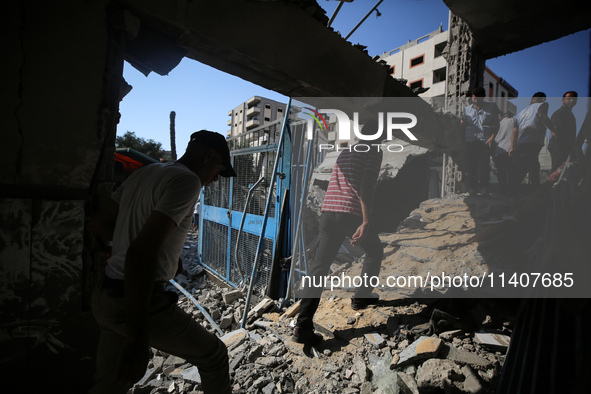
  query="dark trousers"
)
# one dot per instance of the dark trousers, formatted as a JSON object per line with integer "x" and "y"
{"x": 559, "y": 155}
{"x": 506, "y": 168}
{"x": 477, "y": 164}
{"x": 334, "y": 227}
{"x": 529, "y": 162}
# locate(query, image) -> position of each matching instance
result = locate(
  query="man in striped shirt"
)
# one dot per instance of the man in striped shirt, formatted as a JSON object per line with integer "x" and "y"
{"x": 346, "y": 212}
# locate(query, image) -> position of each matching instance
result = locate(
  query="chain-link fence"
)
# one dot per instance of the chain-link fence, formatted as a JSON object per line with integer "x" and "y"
{"x": 233, "y": 210}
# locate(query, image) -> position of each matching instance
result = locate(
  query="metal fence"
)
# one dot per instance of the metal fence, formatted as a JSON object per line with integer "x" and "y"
{"x": 233, "y": 209}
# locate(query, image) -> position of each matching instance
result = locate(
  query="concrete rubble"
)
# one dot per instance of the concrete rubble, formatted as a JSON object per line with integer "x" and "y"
{"x": 406, "y": 346}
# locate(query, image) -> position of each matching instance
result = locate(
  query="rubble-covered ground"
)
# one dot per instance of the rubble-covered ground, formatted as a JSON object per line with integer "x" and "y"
{"x": 402, "y": 345}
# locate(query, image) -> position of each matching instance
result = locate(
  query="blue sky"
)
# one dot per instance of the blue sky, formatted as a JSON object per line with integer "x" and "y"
{"x": 201, "y": 96}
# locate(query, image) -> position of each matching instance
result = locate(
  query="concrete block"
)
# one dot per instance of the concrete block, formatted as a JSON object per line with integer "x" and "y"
{"x": 375, "y": 339}
{"x": 232, "y": 296}
{"x": 226, "y": 321}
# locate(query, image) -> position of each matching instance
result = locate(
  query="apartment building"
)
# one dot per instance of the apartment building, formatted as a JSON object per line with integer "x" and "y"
{"x": 254, "y": 112}
{"x": 421, "y": 63}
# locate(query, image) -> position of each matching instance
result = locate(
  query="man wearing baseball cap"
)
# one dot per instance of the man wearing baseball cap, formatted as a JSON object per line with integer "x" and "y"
{"x": 147, "y": 219}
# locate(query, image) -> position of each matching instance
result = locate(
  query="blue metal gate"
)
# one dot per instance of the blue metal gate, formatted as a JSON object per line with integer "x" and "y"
{"x": 227, "y": 243}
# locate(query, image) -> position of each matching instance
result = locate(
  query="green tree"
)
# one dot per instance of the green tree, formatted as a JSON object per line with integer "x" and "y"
{"x": 147, "y": 147}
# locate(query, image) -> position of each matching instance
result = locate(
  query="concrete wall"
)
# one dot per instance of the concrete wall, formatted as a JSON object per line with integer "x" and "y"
{"x": 55, "y": 117}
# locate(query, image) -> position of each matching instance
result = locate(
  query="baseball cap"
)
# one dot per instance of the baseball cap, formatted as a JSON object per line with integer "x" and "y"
{"x": 217, "y": 142}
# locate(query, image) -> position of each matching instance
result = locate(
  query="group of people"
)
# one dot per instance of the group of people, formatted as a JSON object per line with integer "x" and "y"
{"x": 514, "y": 143}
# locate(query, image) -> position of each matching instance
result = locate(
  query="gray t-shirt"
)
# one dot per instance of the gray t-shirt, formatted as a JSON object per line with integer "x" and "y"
{"x": 503, "y": 137}
{"x": 170, "y": 188}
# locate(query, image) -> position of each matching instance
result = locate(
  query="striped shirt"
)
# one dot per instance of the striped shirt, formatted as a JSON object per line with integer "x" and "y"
{"x": 344, "y": 188}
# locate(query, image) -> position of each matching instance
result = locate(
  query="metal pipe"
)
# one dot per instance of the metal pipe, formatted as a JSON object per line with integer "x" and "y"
{"x": 242, "y": 277}
{"x": 267, "y": 207}
{"x": 364, "y": 18}
{"x": 334, "y": 14}
{"x": 194, "y": 301}
{"x": 299, "y": 224}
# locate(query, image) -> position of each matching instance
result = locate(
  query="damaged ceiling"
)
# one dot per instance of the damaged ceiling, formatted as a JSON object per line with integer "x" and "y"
{"x": 501, "y": 27}
{"x": 253, "y": 36}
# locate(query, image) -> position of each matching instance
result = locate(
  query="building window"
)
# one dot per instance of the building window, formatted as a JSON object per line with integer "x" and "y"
{"x": 416, "y": 84}
{"x": 439, "y": 49}
{"x": 392, "y": 70}
{"x": 267, "y": 106}
{"x": 267, "y": 119}
{"x": 417, "y": 61}
{"x": 439, "y": 75}
{"x": 344, "y": 144}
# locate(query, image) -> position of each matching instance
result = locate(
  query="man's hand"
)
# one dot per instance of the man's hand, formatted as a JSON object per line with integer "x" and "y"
{"x": 360, "y": 234}
{"x": 489, "y": 142}
{"x": 133, "y": 361}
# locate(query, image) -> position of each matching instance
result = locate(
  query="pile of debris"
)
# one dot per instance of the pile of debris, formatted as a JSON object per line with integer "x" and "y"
{"x": 395, "y": 347}
{"x": 407, "y": 346}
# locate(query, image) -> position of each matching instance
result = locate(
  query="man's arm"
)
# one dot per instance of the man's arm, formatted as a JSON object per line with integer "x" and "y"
{"x": 514, "y": 136}
{"x": 543, "y": 114}
{"x": 368, "y": 183}
{"x": 141, "y": 261}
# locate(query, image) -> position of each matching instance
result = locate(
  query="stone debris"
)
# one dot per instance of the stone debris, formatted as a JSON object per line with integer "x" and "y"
{"x": 493, "y": 340}
{"x": 421, "y": 349}
{"x": 401, "y": 346}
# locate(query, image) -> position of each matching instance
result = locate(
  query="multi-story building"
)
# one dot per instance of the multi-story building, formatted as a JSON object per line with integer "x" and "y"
{"x": 421, "y": 63}
{"x": 254, "y": 112}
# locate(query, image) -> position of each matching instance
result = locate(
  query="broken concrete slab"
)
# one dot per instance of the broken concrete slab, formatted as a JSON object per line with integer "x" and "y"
{"x": 174, "y": 361}
{"x": 149, "y": 375}
{"x": 463, "y": 357}
{"x": 191, "y": 374}
{"x": 235, "y": 338}
{"x": 422, "y": 348}
{"x": 449, "y": 335}
{"x": 291, "y": 311}
{"x": 269, "y": 361}
{"x": 360, "y": 370}
{"x": 497, "y": 341}
{"x": 435, "y": 374}
{"x": 375, "y": 339}
{"x": 265, "y": 305}
{"x": 407, "y": 384}
{"x": 471, "y": 383}
{"x": 429, "y": 346}
{"x": 236, "y": 361}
